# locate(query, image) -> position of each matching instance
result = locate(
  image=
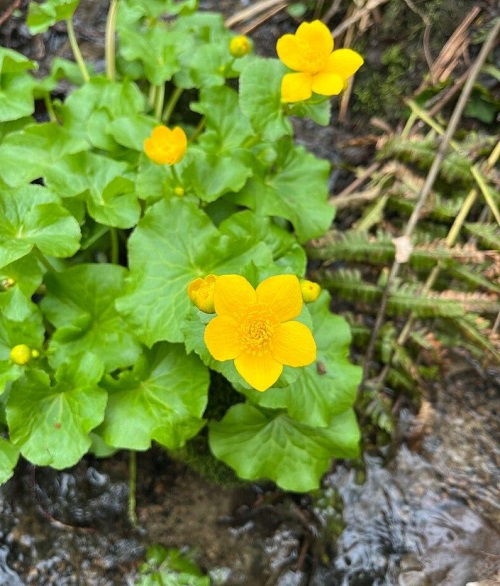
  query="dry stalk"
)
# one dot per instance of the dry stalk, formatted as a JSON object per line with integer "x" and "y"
{"x": 9, "y": 10}
{"x": 362, "y": 12}
{"x": 429, "y": 182}
{"x": 251, "y": 11}
{"x": 261, "y": 19}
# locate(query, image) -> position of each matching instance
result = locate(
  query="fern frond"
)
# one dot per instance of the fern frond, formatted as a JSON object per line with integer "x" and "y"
{"x": 487, "y": 234}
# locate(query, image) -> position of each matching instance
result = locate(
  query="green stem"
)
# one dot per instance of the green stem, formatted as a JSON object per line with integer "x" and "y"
{"x": 152, "y": 95}
{"x": 172, "y": 101}
{"x": 159, "y": 99}
{"x": 176, "y": 177}
{"x": 115, "y": 251}
{"x": 76, "y": 50}
{"x": 109, "y": 48}
{"x": 198, "y": 129}
{"x": 132, "y": 482}
{"x": 49, "y": 107}
{"x": 43, "y": 259}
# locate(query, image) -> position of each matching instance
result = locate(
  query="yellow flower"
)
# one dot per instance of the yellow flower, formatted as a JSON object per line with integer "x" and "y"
{"x": 20, "y": 354}
{"x": 166, "y": 146}
{"x": 201, "y": 293}
{"x": 321, "y": 69}
{"x": 253, "y": 328}
{"x": 310, "y": 290}
{"x": 240, "y": 46}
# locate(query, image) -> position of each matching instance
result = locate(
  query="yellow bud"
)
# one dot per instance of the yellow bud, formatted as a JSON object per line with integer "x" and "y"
{"x": 35, "y": 354}
{"x": 240, "y": 46}
{"x": 201, "y": 293}
{"x": 179, "y": 191}
{"x": 310, "y": 290}
{"x": 7, "y": 283}
{"x": 20, "y": 354}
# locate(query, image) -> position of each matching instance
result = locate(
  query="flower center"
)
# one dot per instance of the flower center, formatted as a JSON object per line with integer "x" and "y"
{"x": 314, "y": 61}
{"x": 257, "y": 331}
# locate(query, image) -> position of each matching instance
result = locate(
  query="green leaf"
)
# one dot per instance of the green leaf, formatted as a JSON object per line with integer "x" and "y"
{"x": 169, "y": 568}
{"x": 260, "y": 98}
{"x": 80, "y": 303}
{"x": 295, "y": 188}
{"x": 131, "y": 131}
{"x": 18, "y": 281}
{"x": 161, "y": 399}
{"x": 100, "y": 100}
{"x": 43, "y": 16}
{"x": 51, "y": 424}
{"x": 319, "y": 112}
{"x": 29, "y": 331}
{"x": 226, "y": 127}
{"x": 212, "y": 175}
{"x": 155, "y": 48}
{"x": 328, "y": 386}
{"x": 9, "y": 455}
{"x": 32, "y": 216}
{"x": 174, "y": 243}
{"x": 16, "y": 97}
{"x": 13, "y": 62}
{"x": 99, "y": 180}
{"x": 43, "y": 145}
{"x": 259, "y": 444}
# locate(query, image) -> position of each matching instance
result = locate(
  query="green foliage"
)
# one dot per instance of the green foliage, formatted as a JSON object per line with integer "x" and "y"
{"x": 98, "y": 244}
{"x": 169, "y": 567}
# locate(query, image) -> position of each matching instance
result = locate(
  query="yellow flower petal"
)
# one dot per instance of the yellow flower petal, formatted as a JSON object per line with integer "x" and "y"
{"x": 290, "y": 53}
{"x": 233, "y": 295}
{"x": 327, "y": 84}
{"x": 165, "y": 146}
{"x": 222, "y": 338}
{"x": 178, "y": 136}
{"x": 344, "y": 62}
{"x": 317, "y": 36}
{"x": 201, "y": 293}
{"x": 282, "y": 296}
{"x": 296, "y": 87}
{"x": 260, "y": 371}
{"x": 293, "y": 344}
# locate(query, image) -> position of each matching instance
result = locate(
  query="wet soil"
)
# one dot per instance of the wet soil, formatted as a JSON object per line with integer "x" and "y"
{"x": 423, "y": 511}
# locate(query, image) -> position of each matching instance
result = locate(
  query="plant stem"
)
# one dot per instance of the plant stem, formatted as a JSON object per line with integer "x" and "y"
{"x": 198, "y": 129}
{"x": 49, "y": 107}
{"x": 429, "y": 182}
{"x": 43, "y": 259}
{"x": 76, "y": 50}
{"x": 159, "y": 99}
{"x": 110, "y": 49}
{"x": 115, "y": 251}
{"x": 172, "y": 101}
{"x": 132, "y": 482}
{"x": 176, "y": 177}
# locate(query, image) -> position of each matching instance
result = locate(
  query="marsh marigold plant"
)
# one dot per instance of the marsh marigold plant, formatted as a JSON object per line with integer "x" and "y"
{"x": 319, "y": 69}
{"x": 253, "y": 327}
{"x": 166, "y": 146}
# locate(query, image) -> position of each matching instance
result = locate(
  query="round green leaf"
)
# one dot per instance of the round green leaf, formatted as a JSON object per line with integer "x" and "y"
{"x": 161, "y": 399}
{"x": 51, "y": 424}
{"x": 9, "y": 455}
{"x": 259, "y": 444}
{"x": 80, "y": 303}
{"x": 32, "y": 216}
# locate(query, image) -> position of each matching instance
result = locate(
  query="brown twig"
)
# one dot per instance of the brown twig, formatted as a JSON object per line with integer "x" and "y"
{"x": 251, "y": 11}
{"x": 429, "y": 182}
{"x": 371, "y": 5}
{"x": 9, "y": 10}
{"x": 330, "y": 13}
{"x": 260, "y": 20}
{"x": 356, "y": 183}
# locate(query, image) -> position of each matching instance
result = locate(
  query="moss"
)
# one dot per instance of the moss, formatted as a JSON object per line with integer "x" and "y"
{"x": 381, "y": 92}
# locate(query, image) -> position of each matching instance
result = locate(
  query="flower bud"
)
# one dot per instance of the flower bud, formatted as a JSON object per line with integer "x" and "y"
{"x": 310, "y": 290}
{"x": 179, "y": 191}
{"x": 7, "y": 283}
{"x": 240, "y": 46}
{"x": 20, "y": 354}
{"x": 166, "y": 146}
{"x": 201, "y": 293}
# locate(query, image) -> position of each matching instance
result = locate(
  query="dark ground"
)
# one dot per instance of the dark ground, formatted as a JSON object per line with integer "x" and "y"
{"x": 421, "y": 511}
